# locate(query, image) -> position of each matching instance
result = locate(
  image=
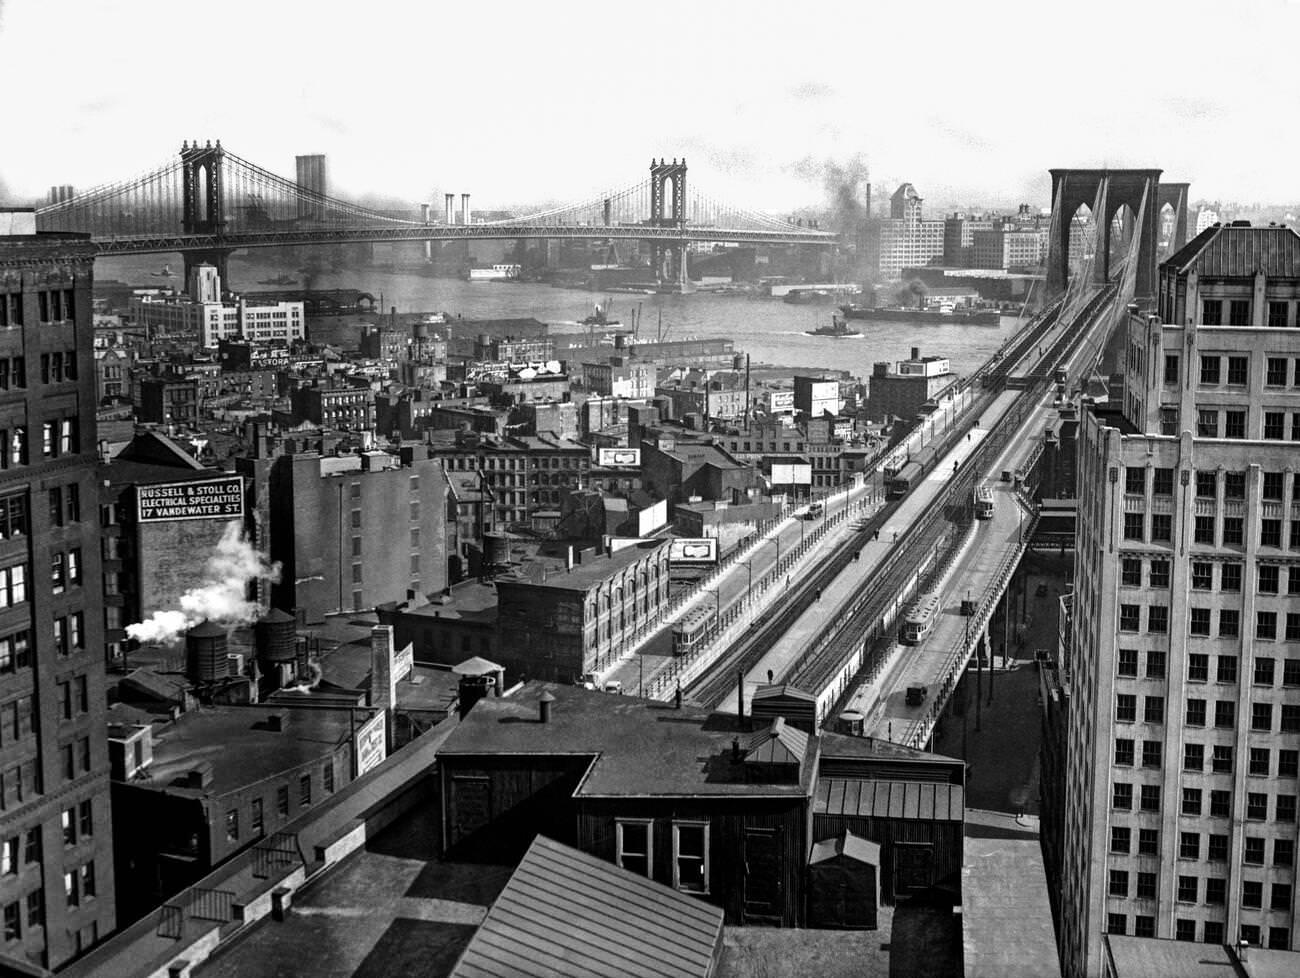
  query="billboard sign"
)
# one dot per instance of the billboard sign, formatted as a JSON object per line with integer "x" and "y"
{"x": 211, "y": 499}
{"x": 618, "y": 457}
{"x": 371, "y": 742}
{"x": 791, "y": 474}
{"x": 403, "y": 663}
{"x": 651, "y": 518}
{"x": 693, "y": 550}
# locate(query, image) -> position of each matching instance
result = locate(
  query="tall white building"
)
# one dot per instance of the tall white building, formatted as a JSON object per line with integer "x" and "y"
{"x": 906, "y": 239}
{"x": 204, "y": 314}
{"x": 1183, "y": 766}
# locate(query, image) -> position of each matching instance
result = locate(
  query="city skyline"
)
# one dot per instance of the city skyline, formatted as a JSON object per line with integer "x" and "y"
{"x": 767, "y": 105}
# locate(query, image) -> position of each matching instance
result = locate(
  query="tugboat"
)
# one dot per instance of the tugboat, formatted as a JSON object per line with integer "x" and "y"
{"x": 839, "y": 329}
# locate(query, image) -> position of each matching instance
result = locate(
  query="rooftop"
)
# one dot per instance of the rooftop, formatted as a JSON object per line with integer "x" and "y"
{"x": 639, "y": 747}
{"x": 1227, "y": 251}
{"x": 240, "y": 744}
{"x": 568, "y": 913}
{"x": 1152, "y": 957}
{"x": 553, "y": 571}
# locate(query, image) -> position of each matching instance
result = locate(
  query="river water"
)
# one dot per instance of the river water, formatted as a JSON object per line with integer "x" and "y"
{"x": 769, "y": 330}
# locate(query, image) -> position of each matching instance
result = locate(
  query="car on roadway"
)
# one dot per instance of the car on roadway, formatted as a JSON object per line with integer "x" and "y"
{"x": 916, "y": 695}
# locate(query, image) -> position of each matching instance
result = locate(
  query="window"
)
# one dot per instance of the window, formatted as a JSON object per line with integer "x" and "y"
{"x": 282, "y": 800}
{"x": 1259, "y": 762}
{"x": 1199, "y": 622}
{"x": 1220, "y": 804}
{"x": 1283, "y": 852}
{"x": 1268, "y": 578}
{"x": 1146, "y": 887}
{"x": 13, "y": 585}
{"x": 13, "y": 921}
{"x": 1206, "y": 484}
{"x": 1129, "y": 617}
{"x": 1275, "y": 425}
{"x": 1134, "y": 526}
{"x": 1254, "y": 851}
{"x": 1261, "y": 716}
{"x": 1157, "y": 619}
{"x": 1234, "y": 424}
{"x": 1191, "y": 801}
{"x": 1292, "y": 626}
{"x": 1187, "y": 889}
{"x": 1116, "y": 923}
{"x": 1238, "y": 315}
{"x": 232, "y": 825}
{"x": 1135, "y": 480}
{"x": 1126, "y": 708}
{"x": 1162, "y": 527}
{"x": 1171, "y": 368}
{"x": 635, "y": 840}
{"x": 1119, "y": 838}
{"x": 1277, "y": 314}
{"x": 1233, "y": 531}
{"x": 1131, "y": 572}
{"x": 1217, "y": 850}
{"x": 1213, "y": 932}
{"x": 1195, "y": 713}
{"x": 1189, "y": 845}
{"x": 1230, "y": 578}
{"x": 1252, "y": 895}
{"x": 1227, "y": 668}
{"x": 304, "y": 790}
{"x": 1148, "y": 842}
{"x": 1279, "y": 938}
{"x": 1209, "y": 369}
{"x": 85, "y": 819}
{"x": 1290, "y": 718}
{"x": 1124, "y": 752}
{"x": 1203, "y": 529}
{"x": 36, "y": 908}
{"x": 1266, "y": 624}
{"x": 88, "y": 880}
{"x": 691, "y": 857}
{"x": 1238, "y": 369}
{"x": 32, "y": 845}
{"x": 1256, "y": 805}
{"x": 72, "y": 888}
{"x": 1151, "y": 753}
{"x": 1225, "y": 714}
{"x": 1203, "y": 572}
{"x": 1222, "y": 759}
{"x": 1288, "y": 763}
{"x": 1184, "y": 930}
{"x": 1155, "y": 665}
{"x": 1211, "y": 315}
{"x": 1285, "y": 808}
{"x": 1127, "y": 664}
{"x": 1270, "y": 533}
{"x": 1150, "y": 798}
{"x": 1160, "y": 573}
{"x": 1229, "y": 623}
{"x": 1193, "y": 757}
{"x": 1216, "y": 889}
{"x": 1118, "y": 883}
{"x": 1198, "y": 667}
{"x": 1291, "y": 672}
{"x": 1154, "y": 709}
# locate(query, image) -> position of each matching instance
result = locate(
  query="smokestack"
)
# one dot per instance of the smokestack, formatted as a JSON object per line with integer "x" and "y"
{"x": 544, "y": 706}
{"x": 425, "y": 211}
{"x": 916, "y": 353}
{"x": 464, "y": 208}
{"x": 449, "y": 208}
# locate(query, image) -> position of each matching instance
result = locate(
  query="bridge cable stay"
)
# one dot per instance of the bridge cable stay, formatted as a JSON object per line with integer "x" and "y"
{"x": 595, "y": 205}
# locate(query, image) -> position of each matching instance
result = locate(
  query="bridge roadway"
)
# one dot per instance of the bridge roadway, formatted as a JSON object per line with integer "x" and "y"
{"x": 865, "y": 600}
{"x": 165, "y": 242}
{"x": 982, "y": 571}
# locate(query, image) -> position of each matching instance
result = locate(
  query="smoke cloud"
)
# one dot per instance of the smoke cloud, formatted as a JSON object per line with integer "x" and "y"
{"x": 220, "y": 598}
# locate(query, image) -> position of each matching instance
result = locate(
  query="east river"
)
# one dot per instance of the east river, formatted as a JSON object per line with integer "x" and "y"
{"x": 769, "y": 330}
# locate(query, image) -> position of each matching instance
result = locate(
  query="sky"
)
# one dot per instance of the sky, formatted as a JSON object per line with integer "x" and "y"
{"x": 538, "y": 102}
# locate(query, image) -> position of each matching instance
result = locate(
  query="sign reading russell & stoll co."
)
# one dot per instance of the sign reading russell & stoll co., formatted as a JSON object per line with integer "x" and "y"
{"x": 212, "y": 499}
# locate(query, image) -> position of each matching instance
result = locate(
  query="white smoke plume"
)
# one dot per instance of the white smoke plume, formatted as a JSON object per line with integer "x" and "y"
{"x": 220, "y": 598}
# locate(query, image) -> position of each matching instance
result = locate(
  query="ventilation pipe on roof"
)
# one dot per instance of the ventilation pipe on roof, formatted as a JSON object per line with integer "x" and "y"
{"x": 544, "y": 706}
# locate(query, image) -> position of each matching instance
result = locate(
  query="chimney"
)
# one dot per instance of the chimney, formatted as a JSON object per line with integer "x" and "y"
{"x": 736, "y": 755}
{"x": 425, "y": 211}
{"x": 383, "y": 676}
{"x": 464, "y": 209}
{"x": 449, "y": 208}
{"x": 544, "y": 706}
{"x": 916, "y": 353}
{"x": 568, "y": 558}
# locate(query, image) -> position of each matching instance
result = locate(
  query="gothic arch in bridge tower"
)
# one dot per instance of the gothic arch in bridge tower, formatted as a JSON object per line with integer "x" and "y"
{"x": 1113, "y": 189}
{"x": 202, "y": 211}
{"x": 1174, "y": 196}
{"x": 668, "y": 210}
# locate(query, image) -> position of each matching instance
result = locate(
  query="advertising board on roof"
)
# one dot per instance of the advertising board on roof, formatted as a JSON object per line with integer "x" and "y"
{"x": 615, "y": 457}
{"x": 693, "y": 550}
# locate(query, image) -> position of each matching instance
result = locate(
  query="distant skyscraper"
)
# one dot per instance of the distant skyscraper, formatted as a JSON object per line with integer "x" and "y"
{"x": 312, "y": 177}
{"x": 56, "y": 856}
{"x": 1184, "y": 721}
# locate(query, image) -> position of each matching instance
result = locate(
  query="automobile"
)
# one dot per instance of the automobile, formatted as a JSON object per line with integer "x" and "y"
{"x": 614, "y": 686}
{"x": 589, "y": 680}
{"x": 916, "y": 695}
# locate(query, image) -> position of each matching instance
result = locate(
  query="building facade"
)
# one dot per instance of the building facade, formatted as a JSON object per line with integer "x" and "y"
{"x": 204, "y": 317}
{"x": 1184, "y": 672}
{"x": 56, "y": 865}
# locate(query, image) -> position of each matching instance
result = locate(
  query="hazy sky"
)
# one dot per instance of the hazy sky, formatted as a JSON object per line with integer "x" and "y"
{"x": 540, "y": 101}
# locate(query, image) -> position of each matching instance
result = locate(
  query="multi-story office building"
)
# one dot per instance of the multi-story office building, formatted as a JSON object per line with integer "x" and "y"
{"x": 56, "y": 864}
{"x": 1183, "y": 773}
{"x": 906, "y": 240}
{"x": 204, "y": 317}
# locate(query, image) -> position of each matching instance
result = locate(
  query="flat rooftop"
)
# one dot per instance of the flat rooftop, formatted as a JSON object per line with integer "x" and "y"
{"x": 1153, "y": 957}
{"x": 240, "y": 745}
{"x": 639, "y": 747}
